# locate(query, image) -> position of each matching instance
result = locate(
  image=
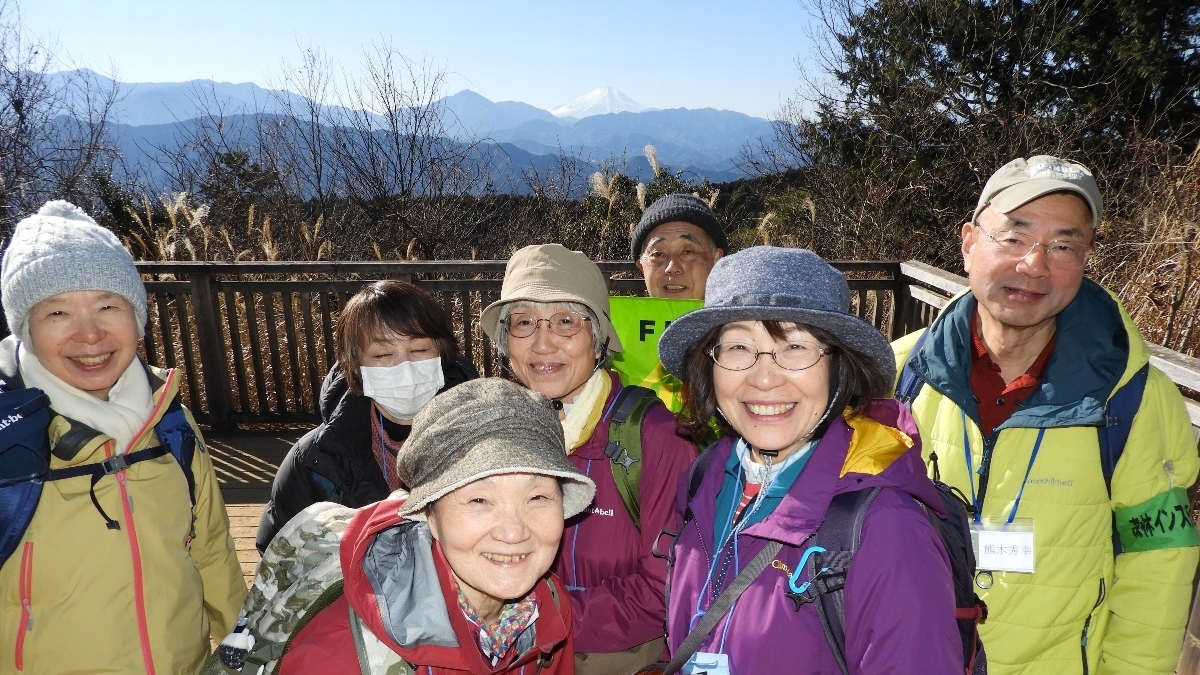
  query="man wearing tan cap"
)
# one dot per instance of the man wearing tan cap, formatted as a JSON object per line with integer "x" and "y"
{"x": 1023, "y": 389}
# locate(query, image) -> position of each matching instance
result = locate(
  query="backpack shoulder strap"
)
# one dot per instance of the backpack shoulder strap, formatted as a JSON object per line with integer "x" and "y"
{"x": 909, "y": 384}
{"x": 839, "y": 534}
{"x": 24, "y": 459}
{"x": 624, "y": 447}
{"x": 179, "y": 438}
{"x": 696, "y": 476}
{"x": 1118, "y": 420}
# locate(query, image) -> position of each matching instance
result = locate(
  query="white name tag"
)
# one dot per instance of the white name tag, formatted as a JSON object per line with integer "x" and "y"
{"x": 704, "y": 663}
{"x": 1001, "y": 547}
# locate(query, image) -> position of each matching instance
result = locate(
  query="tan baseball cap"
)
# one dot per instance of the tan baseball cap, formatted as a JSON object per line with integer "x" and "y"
{"x": 1024, "y": 180}
{"x": 551, "y": 273}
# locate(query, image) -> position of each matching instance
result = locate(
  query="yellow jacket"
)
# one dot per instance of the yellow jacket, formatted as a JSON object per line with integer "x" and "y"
{"x": 77, "y": 597}
{"x": 1081, "y": 611}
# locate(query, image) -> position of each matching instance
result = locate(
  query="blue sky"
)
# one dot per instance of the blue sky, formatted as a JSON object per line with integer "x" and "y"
{"x": 662, "y": 53}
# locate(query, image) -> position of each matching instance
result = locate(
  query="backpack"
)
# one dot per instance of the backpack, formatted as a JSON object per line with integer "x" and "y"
{"x": 624, "y": 449}
{"x": 299, "y": 575}
{"x": 1118, "y": 419}
{"x": 25, "y": 460}
{"x": 840, "y": 534}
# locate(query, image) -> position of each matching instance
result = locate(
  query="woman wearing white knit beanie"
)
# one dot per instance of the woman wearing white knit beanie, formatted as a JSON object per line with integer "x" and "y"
{"x": 115, "y": 554}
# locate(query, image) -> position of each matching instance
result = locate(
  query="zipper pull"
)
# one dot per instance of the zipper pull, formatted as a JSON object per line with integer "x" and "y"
{"x": 29, "y": 621}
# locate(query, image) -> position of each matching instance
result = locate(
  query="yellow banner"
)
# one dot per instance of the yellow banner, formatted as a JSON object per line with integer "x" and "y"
{"x": 639, "y": 323}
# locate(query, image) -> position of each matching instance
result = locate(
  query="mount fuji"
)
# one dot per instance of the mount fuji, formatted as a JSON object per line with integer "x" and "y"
{"x": 599, "y": 101}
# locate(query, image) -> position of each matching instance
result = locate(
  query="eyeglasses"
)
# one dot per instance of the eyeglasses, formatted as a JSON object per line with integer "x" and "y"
{"x": 794, "y": 356}
{"x": 1066, "y": 255}
{"x": 564, "y": 324}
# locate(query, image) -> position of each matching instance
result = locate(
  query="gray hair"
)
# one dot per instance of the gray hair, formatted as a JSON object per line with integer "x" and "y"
{"x": 598, "y": 343}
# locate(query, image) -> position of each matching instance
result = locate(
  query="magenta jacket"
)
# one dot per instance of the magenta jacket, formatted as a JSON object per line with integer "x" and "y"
{"x": 899, "y": 595}
{"x": 616, "y": 583}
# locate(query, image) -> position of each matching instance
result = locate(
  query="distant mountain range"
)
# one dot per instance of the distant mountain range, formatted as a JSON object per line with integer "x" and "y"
{"x": 603, "y": 124}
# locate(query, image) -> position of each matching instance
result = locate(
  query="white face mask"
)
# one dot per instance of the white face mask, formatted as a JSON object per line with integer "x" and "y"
{"x": 403, "y": 389}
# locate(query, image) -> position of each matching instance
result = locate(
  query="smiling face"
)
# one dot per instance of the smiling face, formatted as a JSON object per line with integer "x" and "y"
{"x": 500, "y": 534}
{"x": 676, "y": 260}
{"x": 1024, "y": 295}
{"x": 771, "y": 408}
{"x": 556, "y": 367}
{"x": 85, "y": 338}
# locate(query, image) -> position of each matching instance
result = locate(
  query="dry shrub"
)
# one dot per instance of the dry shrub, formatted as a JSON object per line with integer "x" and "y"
{"x": 1151, "y": 257}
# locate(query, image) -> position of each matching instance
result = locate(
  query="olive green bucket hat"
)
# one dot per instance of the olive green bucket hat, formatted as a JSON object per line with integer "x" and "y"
{"x": 482, "y": 428}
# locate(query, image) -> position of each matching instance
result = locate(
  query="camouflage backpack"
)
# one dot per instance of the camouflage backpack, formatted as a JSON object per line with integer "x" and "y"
{"x": 299, "y": 575}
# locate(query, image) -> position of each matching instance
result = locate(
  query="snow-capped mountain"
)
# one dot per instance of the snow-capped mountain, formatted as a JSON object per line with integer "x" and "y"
{"x": 600, "y": 101}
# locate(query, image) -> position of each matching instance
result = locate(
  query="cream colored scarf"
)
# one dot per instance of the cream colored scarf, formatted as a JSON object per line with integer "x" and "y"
{"x": 129, "y": 403}
{"x": 581, "y": 420}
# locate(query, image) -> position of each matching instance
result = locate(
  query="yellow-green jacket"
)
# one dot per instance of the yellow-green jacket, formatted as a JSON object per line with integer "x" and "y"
{"x": 77, "y": 597}
{"x": 1081, "y": 611}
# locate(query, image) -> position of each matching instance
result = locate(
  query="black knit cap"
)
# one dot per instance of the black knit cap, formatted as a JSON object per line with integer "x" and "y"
{"x": 683, "y": 207}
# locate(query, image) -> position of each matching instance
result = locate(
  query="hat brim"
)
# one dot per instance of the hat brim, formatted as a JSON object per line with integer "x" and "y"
{"x": 497, "y": 456}
{"x": 1019, "y": 193}
{"x": 489, "y": 318}
{"x": 852, "y": 331}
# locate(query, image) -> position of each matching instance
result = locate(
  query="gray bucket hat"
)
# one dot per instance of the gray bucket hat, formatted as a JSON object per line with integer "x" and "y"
{"x": 483, "y": 428}
{"x": 766, "y": 283}
{"x": 553, "y": 273}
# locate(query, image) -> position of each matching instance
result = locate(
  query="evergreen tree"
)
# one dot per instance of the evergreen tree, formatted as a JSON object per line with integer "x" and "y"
{"x": 925, "y": 98}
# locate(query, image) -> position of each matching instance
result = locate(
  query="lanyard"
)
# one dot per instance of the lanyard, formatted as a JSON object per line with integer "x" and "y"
{"x": 1037, "y": 445}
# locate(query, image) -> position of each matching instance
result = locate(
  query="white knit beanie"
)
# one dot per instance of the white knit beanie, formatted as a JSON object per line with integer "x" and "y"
{"x": 61, "y": 249}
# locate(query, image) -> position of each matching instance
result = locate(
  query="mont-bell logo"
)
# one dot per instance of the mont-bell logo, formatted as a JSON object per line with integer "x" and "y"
{"x": 7, "y": 421}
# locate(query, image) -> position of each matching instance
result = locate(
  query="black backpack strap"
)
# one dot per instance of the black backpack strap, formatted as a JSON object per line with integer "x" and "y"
{"x": 111, "y": 466}
{"x": 909, "y": 384}
{"x": 695, "y": 476}
{"x": 839, "y": 534}
{"x": 1118, "y": 421}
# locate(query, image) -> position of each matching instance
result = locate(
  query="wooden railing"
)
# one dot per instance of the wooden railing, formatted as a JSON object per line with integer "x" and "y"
{"x": 256, "y": 339}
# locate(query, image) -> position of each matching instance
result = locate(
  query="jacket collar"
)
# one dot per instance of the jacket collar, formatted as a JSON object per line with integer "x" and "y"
{"x": 877, "y": 449}
{"x": 1092, "y": 355}
{"x": 394, "y": 572}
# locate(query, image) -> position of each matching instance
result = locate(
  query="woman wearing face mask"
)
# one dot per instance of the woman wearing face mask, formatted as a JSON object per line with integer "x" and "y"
{"x": 395, "y": 351}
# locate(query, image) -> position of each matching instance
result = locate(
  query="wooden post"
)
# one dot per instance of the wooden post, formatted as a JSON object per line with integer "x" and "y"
{"x": 214, "y": 366}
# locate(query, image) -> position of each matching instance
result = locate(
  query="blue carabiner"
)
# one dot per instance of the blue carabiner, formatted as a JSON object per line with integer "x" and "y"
{"x": 800, "y": 567}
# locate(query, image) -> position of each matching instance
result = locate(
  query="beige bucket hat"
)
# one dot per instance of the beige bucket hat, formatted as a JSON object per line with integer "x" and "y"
{"x": 552, "y": 273}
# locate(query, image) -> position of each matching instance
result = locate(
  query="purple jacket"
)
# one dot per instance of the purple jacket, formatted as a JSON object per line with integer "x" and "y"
{"x": 622, "y": 603}
{"x": 899, "y": 597}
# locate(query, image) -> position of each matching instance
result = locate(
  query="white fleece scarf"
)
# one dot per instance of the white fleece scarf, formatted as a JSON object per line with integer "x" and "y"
{"x": 130, "y": 401}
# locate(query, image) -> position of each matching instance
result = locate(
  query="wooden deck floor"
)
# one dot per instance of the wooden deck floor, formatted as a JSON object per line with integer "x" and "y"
{"x": 246, "y": 462}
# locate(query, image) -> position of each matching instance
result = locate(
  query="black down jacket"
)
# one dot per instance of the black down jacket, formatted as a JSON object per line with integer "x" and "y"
{"x": 335, "y": 461}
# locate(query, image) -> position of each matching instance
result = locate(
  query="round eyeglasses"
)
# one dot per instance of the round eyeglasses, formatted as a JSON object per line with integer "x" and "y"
{"x": 1067, "y": 255}
{"x": 563, "y": 324}
{"x": 793, "y": 356}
